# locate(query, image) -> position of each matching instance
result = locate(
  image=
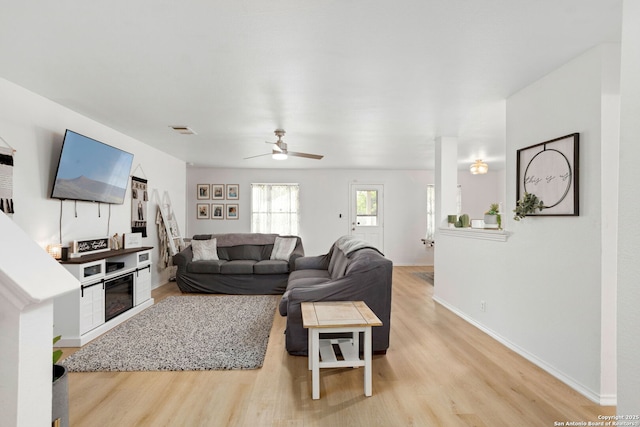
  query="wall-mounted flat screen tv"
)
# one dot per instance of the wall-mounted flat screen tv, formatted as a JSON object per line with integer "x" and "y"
{"x": 91, "y": 170}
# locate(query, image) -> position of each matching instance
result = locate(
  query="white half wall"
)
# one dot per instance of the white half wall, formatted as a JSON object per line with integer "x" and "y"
{"x": 543, "y": 287}
{"x": 34, "y": 126}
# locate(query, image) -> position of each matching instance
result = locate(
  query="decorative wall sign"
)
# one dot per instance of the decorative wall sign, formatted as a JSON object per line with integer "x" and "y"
{"x": 132, "y": 240}
{"x": 139, "y": 199}
{"x": 91, "y": 246}
{"x": 550, "y": 170}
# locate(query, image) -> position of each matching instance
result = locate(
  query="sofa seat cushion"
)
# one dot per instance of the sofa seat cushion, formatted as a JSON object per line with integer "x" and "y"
{"x": 271, "y": 267}
{"x": 302, "y": 279}
{"x": 307, "y": 277}
{"x": 243, "y": 266}
{"x": 207, "y": 267}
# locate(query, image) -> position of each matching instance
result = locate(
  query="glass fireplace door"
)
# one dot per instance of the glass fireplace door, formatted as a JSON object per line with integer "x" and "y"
{"x": 118, "y": 296}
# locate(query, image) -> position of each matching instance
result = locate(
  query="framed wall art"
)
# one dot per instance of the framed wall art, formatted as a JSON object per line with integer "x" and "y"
{"x": 550, "y": 170}
{"x": 202, "y": 211}
{"x": 203, "y": 191}
{"x": 233, "y": 192}
{"x": 232, "y": 211}
{"x": 217, "y": 191}
{"x": 217, "y": 211}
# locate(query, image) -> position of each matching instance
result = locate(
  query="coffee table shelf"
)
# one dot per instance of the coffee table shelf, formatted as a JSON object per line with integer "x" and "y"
{"x": 328, "y": 317}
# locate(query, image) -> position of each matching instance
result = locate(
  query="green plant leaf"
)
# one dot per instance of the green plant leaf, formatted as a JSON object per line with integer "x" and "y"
{"x": 57, "y": 354}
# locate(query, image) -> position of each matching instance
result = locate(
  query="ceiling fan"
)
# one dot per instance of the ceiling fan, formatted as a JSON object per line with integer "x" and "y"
{"x": 280, "y": 151}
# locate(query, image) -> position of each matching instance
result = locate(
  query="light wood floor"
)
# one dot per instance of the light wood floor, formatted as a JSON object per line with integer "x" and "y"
{"x": 438, "y": 371}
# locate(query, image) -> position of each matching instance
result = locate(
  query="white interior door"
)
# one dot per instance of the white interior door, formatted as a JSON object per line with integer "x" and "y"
{"x": 367, "y": 220}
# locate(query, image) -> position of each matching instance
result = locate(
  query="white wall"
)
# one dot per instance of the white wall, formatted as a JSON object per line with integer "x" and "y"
{"x": 629, "y": 227}
{"x": 34, "y": 126}
{"x": 324, "y": 196}
{"x": 543, "y": 287}
{"x": 479, "y": 191}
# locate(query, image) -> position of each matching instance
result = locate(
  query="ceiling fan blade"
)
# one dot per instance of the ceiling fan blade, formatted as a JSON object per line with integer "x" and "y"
{"x": 259, "y": 155}
{"x": 307, "y": 155}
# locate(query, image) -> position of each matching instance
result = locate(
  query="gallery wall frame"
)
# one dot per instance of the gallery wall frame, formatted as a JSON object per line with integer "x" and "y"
{"x": 217, "y": 211}
{"x": 550, "y": 170}
{"x": 233, "y": 191}
{"x": 217, "y": 191}
{"x": 232, "y": 211}
{"x": 202, "y": 191}
{"x": 202, "y": 211}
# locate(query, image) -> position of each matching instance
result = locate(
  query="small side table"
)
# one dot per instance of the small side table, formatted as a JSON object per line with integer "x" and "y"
{"x": 338, "y": 317}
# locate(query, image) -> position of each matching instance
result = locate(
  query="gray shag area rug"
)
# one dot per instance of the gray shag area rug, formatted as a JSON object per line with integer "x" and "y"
{"x": 185, "y": 333}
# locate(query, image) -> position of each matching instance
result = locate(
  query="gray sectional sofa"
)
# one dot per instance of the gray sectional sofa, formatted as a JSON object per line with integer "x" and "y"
{"x": 244, "y": 264}
{"x": 352, "y": 270}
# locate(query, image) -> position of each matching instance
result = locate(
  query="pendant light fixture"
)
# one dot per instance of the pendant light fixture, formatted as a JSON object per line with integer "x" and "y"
{"x": 479, "y": 167}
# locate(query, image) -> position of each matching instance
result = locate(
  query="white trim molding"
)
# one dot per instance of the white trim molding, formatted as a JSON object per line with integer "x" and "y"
{"x": 476, "y": 233}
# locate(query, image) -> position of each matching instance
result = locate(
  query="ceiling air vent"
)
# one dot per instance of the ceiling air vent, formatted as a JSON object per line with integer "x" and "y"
{"x": 184, "y": 130}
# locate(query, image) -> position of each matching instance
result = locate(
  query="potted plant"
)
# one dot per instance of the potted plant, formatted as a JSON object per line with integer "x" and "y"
{"x": 60, "y": 404}
{"x": 492, "y": 218}
{"x": 527, "y": 205}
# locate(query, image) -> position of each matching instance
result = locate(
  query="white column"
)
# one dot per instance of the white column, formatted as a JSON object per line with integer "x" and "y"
{"x": 628, "y": 297}
{"x": 446, "y": 178}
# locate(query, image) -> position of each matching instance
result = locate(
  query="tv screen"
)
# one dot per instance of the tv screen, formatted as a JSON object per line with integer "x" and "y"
{"x": 90, "y": 170}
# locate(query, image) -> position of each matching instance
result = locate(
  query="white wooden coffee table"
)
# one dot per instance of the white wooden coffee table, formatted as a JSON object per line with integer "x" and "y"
{"x": 338, "y": 317}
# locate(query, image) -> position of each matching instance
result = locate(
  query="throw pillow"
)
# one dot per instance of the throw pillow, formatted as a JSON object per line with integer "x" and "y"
{"x": 283, "y": 248}
{"x": 204, "y": 250}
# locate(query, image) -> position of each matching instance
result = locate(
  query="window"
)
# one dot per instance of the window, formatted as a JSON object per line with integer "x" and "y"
{"x": 431, "y": 209}
{"x": 274, "y": 208}
{"x": 367, "y": 208}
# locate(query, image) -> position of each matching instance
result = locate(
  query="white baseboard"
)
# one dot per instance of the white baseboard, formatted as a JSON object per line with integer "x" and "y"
{"x": 605, "y": 400}
{"x": 94, "y": 333}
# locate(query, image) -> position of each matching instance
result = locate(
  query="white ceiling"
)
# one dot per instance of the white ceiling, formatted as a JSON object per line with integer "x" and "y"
{"x": 367, "y": 83}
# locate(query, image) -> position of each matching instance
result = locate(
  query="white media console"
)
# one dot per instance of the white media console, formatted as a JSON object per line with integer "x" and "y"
{"x": 113, "y": 286}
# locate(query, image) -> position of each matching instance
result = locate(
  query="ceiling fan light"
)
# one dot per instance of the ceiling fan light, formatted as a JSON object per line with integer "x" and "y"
{"x": 479, "y": 167}
{"x": 279, "y": 156}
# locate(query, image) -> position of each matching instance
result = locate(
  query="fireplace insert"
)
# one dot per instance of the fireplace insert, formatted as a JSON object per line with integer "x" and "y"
{"x": 118, "y": 296}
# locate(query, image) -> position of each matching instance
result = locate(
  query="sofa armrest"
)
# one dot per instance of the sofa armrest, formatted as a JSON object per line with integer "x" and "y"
{"x": 372, "y": 286}
{"x": 298, "y": 252}
{"x": 318, "y": 262}
{"x": 184, "y": 257}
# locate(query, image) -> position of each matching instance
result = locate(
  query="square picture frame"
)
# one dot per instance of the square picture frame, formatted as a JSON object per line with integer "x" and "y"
{"x": 217, "y": 191}
{"x": 232, "y": 211}
{"x": 202, "y": 191}
{"x": 550, "y": 170}
{"x": 217, "y": 211}
{"x": 233, "y": 191}
{"x": 202, "y": 211}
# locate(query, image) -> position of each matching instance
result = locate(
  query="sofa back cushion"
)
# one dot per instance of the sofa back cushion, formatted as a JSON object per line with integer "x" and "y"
{"x": 204, "y": 250}
{"x": 338, "y": 264}
{"x": 283, "y": 248}
{"x": 249, "y": 252}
